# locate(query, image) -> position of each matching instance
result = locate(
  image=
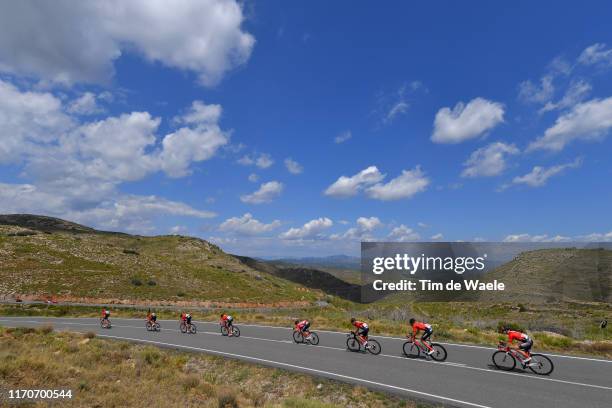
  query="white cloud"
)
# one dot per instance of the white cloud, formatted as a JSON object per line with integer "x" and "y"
{"x": 535, "y": 238}
{"x": 350, "y": 186}
{"x": 74, "y": 168}
{"x": 68, "y": 42}
{"x": 178, "y": 230}
{"x": 293, "y": 166}
{"x": 247, "y": 225}
{"x": 596, "y": 237}
{"x": 596, "y": 54}
{"x": 263, "y": 160}
{"x": 343, "y": 137}
{"x": 589, "y": 120}
{"x": 311, "y": 230}
{"x": 538, "y": 176}
{"x": 86, "y": 104}
{"x": 361, "y": 232}
{"x": 576, "y": 93}
{"x": 466, "y": 122}
{"x": 253, "y": 178}
{"x": 409, "y": 183}
{"x": 422, "y": 225}
{"x": 266, "y": 193}
{"x": 529, "y": 92}
{"x": 489, "y": 160}
{"x": 396, "y": 110}
{"x": 403, "y": 234}
{"x": 437, "y": 237}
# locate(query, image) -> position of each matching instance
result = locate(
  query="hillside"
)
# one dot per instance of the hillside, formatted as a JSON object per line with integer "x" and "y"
{"x": 43, "y": 256}
{"x": 546, "y": 275}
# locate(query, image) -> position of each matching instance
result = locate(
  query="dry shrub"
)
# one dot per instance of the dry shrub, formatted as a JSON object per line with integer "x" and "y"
{"x": 227, "y": 399}
{"x": 46, "y": 329}
{"x": 89, "y": 335}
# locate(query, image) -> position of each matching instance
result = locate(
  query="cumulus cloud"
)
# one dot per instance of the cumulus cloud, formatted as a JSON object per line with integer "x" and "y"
{"x": 253, "y": 178}
{"x": 68, "y": 42}
{"x": 86, "y": 104}
{"x": 343, "y": 137}
{"x": 263, "y": 160}
{"x": 403, "y": 234}
{"x": 76, "y": 167}
{"x": 362, "y": 231}
{"x": 535, "y": 238}
{"x": 437, "y": 237}
{"x": 350, "y": 186}
{"x": 247, "y": 225}
{"x": 466, "y": 122}
{"x": 489, "y": 160}
{"x": 293, "y": 167}
{"x": 266, "y": 193}
{"x": 589, "y": 120}
{"x": 406, "y": 185}
{"x": 311, "y": 230}
{"x": 538, "y": 176}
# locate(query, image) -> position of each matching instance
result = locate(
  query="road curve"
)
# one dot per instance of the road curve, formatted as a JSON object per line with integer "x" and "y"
{"x": 466, "y": 379}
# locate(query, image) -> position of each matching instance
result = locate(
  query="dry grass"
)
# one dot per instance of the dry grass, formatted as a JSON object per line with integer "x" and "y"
{"x": 105, "y": 373}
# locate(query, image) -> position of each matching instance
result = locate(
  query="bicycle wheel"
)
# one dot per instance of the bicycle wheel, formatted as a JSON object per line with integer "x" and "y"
{"x": 298, "y": 337}
{"x": 192, "y": 328}
{"x": 314, "y": 338}
{"x": 411, "y": 350}
{"x": 183, "y": 328}
{"x": 157, "y": 327}
{"x": 224, "y": 331}
{"x": 374, "y": 347}
{"x": 503, "y": 360}
{"x": 540, "y": 364}
{"x": 353, "y": 344}
{"x": 235, "y": 331}
{"x": 439, "y": 353}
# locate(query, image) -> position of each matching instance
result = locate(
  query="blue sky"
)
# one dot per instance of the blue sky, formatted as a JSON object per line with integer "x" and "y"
{"x": 287, "y": 130}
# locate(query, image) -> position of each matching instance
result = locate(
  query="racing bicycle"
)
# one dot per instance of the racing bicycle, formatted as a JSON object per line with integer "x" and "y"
{"x": 505, "y": 358}
{"x": 414, "y": 347}
{"x": 355, "y": 343}
{"x": 188, "y": 328}
{"x": 105, "y": 323}
{"x": 152, "y": 326}
{"x": 225, "y": 330}
{"x": 311, "y": 338}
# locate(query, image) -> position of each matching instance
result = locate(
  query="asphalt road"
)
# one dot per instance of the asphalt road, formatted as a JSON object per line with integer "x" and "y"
{"x": 466, "y": 379}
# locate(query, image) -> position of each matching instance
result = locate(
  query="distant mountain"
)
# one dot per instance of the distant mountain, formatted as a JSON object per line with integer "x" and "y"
{"x": 333, "y": 261}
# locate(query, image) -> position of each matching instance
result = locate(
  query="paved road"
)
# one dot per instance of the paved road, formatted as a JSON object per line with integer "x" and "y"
{"x": 466, "y": 379}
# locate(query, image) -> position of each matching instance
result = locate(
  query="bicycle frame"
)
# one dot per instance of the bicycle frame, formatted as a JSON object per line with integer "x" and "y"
{"x": 514, "y": 353}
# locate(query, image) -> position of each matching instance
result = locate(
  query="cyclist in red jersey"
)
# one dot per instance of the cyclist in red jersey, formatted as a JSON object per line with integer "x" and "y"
{"x": 525, "y": 342}
{"x": 105, "y": 313}
{"x": 425, "y": 328}
{"x": 362, "y": 330}
{"x": 302, "y": 327}
{"x": 227, "y": 321}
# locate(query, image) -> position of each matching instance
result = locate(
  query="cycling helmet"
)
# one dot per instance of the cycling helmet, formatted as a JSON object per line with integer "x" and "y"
{"x": 296, "y": 322}
{"x": 411, "y": 321}
{"x": 153, "y": 314}
{"x": 353, "y": 320}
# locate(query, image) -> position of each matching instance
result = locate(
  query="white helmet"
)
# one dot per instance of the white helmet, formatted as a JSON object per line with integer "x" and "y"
{"x": 153, "y": 314}
{"x": 188, "y": 315}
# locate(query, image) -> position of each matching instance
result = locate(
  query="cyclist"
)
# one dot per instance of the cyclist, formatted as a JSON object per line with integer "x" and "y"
{"x": 362, "y": 331}
{"x": 302, "y": 327}
{"x": 105, "y": 313}
{"x": 152, "y": 317}
{"x": 427, "y": 331}
{"x": 227, "y": 321}
{"x": 525, "y": 342}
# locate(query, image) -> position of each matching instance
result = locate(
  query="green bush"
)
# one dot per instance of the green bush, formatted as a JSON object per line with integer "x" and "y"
{"x": 510, "y": 325}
